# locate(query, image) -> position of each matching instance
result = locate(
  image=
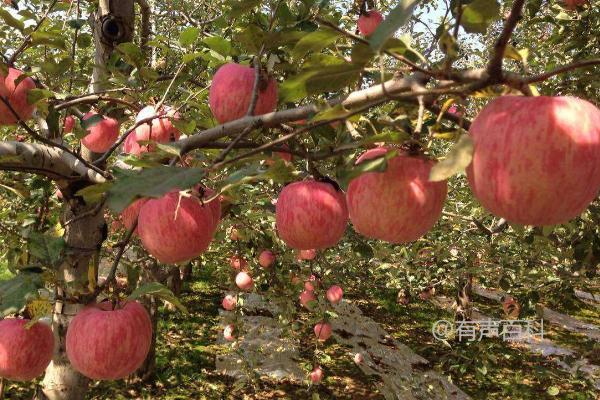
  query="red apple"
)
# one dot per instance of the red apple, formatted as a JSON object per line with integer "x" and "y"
{"x": 175, "y": 228}
{"x": 311, "y": 215}
{"x": 69, "y": 124}
{"x": 316, "y": 375}
{"x": 399, "y": 205}
{"x": 322, "y": 331}
{"x": 266, "y": 258}
{"x": 16, "y": 96}
{"x": 536, "y": 159}
{"x": 368, "y": 22}
{"x": 229, "y": 302}
{"x": 102, "y": 135}
{"x": 307, "y": 254}
{"x": 335, "y": 294}
{"x": 24, "y": 353}
{"x": 573, "y": 4}
{"x": 238, "y": 263}
{"x": 306, "y": 297}
{"x": 107, "y": 344}
{"x": 159, "y": 130}
{"x": 231, "y": 92}
{"x": 244, "y": 281}
{"x": 131, "y": 213}
{"x": 228, "y": 333}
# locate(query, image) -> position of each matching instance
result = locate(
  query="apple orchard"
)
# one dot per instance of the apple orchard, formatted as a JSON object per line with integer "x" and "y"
{"x": 307, "y": 153}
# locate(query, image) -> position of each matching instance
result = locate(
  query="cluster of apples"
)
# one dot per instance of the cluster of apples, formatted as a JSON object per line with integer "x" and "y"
{"x": 536, "y": 161}
{"x": 102, "y": 343}
{"x": 244, "y": 281}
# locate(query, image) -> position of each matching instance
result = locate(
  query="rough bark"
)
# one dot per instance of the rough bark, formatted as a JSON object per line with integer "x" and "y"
{"x": 112, "y": 24}
{"x": 83, "y": 238}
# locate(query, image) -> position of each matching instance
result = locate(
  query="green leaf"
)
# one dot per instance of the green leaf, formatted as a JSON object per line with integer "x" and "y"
{"x": 218, "y": 44}
{"x": 335, "y": 112}
{"x": 49, "y": 39}
{"x": 396, "y": 18}
{"x": 91, "y": 121}
{"x": 314, "y": 42}
{"x": 318, "y": 80}
{"x": 377, "y": 164}
{"x": 36, "y": 95}
{"x": 18, "y": 189}
{"x": 77, "y": 23}
{"x": 187, "y": 58}
{"x": 242, "y": 7}
{"x": 479, "y": 14}
{"x": 188, "y": 36}
{"x": 15, "y": 292}
{"x": 158, "y": 290}
{"x": 151, "y": 182}
{"x": 457, "y": 159}
{"x": 47, "y": 248}
{"x": 387, "y": 137}
{"x": 93, "y": 194}
{"x": 131, "y": 53}
{"x": 11, "y": 21}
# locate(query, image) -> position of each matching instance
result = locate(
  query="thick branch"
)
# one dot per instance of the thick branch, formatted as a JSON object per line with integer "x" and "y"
{"x": 356, "y": 99}
{"x": 45, "y": 160}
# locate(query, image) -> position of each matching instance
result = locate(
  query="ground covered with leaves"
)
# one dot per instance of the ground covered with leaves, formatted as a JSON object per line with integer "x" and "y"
{"x": 490, "y": 369}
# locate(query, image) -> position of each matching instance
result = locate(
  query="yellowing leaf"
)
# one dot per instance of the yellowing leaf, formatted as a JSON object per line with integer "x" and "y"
{"x": 458, "y": 158}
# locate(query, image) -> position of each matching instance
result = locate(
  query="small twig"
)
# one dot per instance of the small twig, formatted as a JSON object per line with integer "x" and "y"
{"x": 93, "y": 98}
{"x": 25, "y": 43}
{"x": 162, "y": 101}
{"x": 88, "y": 213}
{"x": 494, "y": 67}
{"x": 255, "y": 87}
{"x": 459, "y": 13}
{"x": 231, "y": 145}
{"x": 364, "y": 41}
{"x": 113, "y": 270}
{"x": 421, "y": 114}
{"x": 560, "y": 70}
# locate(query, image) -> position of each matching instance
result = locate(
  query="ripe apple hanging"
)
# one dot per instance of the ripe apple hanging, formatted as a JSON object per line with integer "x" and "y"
{"x": 536, "y": 160}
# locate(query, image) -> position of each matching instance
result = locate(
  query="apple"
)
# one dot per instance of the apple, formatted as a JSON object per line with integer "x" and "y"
{"x": 244, "y": 281}
{"x": 322, "y": 331}
{"x": 229, "y": 302}
{"x": 231, "y": 92}
{"x": 306, "y": 297}
{"x": 16, "y": 96}
{"x": 102, "y": 135}
{"x": 358, "y": 358}
{"x": 311, "y": 215}
{"x": 175, "y": 228}
{"x": 68, "y": 124}
{"x": 399, "y": 205}
{"x": 24, "y": 352}
{"x": 107, "y": 344}
{"x": 316, "y": 375}
{"x": 287, "y": 157}
{"x": 334, "y": 294}
{"x": 369, "y": 21}
{"x": 573, "y": 4}
{"x": 130, "y": 214}
{"x": 536, "y": 160}
{"x": 228, "y": 333}
{"x": 238, "y": 263}
{"x": 266, "y": 258}
{"x": 307, "y": 254}
{"x": 159, "y": 130}
{"x": 234, "y": 234}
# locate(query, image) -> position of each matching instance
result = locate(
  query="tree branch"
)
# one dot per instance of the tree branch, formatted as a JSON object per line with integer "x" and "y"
{"x": 494, "y": 67}
{"x": 45, "y": 160}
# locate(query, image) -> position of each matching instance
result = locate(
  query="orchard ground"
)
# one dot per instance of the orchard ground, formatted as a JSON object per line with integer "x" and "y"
{"x": 490, "y": 369}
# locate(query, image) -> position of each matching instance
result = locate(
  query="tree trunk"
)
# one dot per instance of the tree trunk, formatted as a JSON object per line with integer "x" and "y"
{"x": 147, "y": 371}
{"x": 83, "y": 238}
{"x": 113, "y": 23}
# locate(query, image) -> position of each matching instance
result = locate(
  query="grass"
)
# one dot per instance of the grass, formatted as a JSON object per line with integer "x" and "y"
{"x": 186, "y": 352}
